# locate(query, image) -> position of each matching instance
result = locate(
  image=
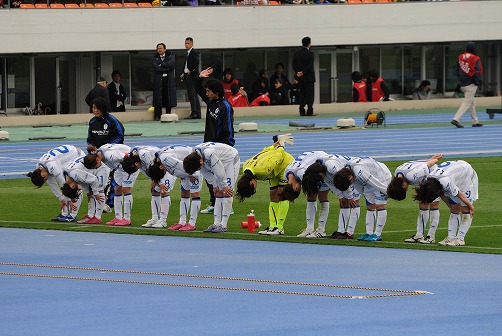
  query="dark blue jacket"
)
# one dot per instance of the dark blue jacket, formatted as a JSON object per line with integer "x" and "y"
{"x": 105, "y": 129}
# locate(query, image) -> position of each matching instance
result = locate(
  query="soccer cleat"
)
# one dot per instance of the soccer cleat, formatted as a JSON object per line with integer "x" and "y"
{"x": 219, "y": 229}
{"x": 413, "y": 239}
{"x": 275, "y": 232}
{"x": 363, "y": 237}
{"x": 374, "y": 237}
{"x": 149, "y": 223}
{"x": 69, "y": 219}
{"x": 175, "y": 227}
{"x": 477, "y": 124}
{"x": 187, "y": 227}
{"x": 159, "y": 224}
{"x": 94, "y": 220}
{"x": 427, "y": 240}
{"x": 335, "y": 235}
{"x": 59, "y": 218}
{"x": 264, "y": 232}
{"x": 113, "y": 221}
{"x": 208, "y": 210}
{"x": 457, "y": 124}
{"x": 346, "y": 235}
{"x": 305, "y": 233}
{"x": 445, "y": 241}
{"x": 84, "y": 219}
{"x": 317, "y": 234}
{"x": 123, "y": 222}
{"x": 457, "y": 241}
{"x": 210, "y": 228}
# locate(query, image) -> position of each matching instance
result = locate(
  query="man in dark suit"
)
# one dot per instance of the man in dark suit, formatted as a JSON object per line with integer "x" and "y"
{"x": 164, "y": 86}
{"x": 99, "y": 90}
{"x": 190, "y": 73}
{"x": 117, "y": 93}
{"x": 303, "y": 66}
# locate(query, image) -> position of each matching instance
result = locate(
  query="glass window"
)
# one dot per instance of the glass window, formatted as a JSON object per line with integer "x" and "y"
{"x": 213, "y": 59}
{"x": 411, "y": 68}
{"x": 18, "y": 82}
{"x": 141, "y": 79}
{"x": 434, "y": 71}
{"x": 246, "y": 65}
{"x": 391, "y": 69}
{"x": 451, "y": 59}
{"x": 369, "y": 58}
{"x": 2, "y": 84}
{"x": 121, "y": 63}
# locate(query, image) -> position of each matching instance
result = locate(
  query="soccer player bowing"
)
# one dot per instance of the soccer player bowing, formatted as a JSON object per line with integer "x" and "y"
{"x": 371, "y": 179}
{"x": 166, "y": 168}
{"x": 219, "y": 164}
{"x": 456, "y": 182}
{"x": 412, "y": 173}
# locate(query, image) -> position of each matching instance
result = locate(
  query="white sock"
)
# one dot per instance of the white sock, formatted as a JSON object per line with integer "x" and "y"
{"x": 423, "y": 218}
{"x": 91, "y": 207}
{"x": 353, "y": 219}
{"x": 465, "y": 225}
{"x": 155, "y": 205}
{"x": 323, "y": 215}
{"x": 434, "y": 221}
{"x": 99, "y": 206}
{"x": 381, "y": 220}
{"x": 184, "y": 208}
{"x": 370, "y": 221}
{"x": 165, "y": 204}
{"x": 127, "y": 206}
{"x": 226, "y": 209}
{"x": 194, "y": 210}
{"x": 218, "y": 209}
{"x": 117, "y": 206}
{"x": 65, "y": 211}
{"x": 74, "y": 213}
{"x": 343, "y": 219}
{"x": 453, "y": 224}
{"x": 310, "y": 214}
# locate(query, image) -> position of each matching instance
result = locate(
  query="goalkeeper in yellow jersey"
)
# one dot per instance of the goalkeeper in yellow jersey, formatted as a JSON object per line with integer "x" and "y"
{"x": 269, "y": 164}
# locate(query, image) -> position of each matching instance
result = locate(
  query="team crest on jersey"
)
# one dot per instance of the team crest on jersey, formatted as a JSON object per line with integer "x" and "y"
{"x": 105, "y": 126}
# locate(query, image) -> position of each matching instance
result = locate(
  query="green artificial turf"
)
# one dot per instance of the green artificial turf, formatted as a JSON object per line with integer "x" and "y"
{"x": 24, "y": 206}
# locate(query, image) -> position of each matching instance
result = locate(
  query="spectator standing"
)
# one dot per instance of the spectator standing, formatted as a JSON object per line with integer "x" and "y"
{"x": 117, "y": 93}
{"x": 303, "y": 66}
{"x": 228, "y": 81}
{"x": 164, "y": 86}
{"x": 190, "y": 73}
{"x": 423, "y": 92}
{"x": 376, "y": 90}
{"x": 219, "y": 119}
{"x": 99, "y": 90}
{"x": 358, "y": 88}
{"x": 469, "y": 70}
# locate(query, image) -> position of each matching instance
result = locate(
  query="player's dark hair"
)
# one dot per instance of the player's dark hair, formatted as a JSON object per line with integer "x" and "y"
{"x": 216, "y": 87}
{"x": 289, "y": 194}
{"x": 341, "y": 179}
{"x": 191, "y": 163}
{"x": 90, "y": 161}
{"x": 129, "y": 163}
{"x": 356, "y": 76}
{"x": 36, "y": 177}
{"x": 101, "y": 105}
{"x": 71, "y": 193}
{"x": 234, "y": 88}
{"x": 395, "y": 189}
{"x": 312, "y": 179}
{"x": 244, "y": 187}
{"x": 427, "y": 191}
{"x": 154, "y": 172}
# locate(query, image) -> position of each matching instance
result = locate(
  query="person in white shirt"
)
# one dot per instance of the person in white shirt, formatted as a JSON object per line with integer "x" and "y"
{"x": 50, "y": 169}
{"x": 456, "y": 182}
{"x": 370, "y": 178}
{"x": 412, "y": 173}
{"x": 320, "y": 175}
{"x": 219, "y": 164}
{"x": 294, "y": 174}
{"x": 165, "y": 169}
{"x": 126, "y": 169}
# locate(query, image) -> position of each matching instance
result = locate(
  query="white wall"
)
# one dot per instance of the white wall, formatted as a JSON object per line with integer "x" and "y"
{"x": 61, "y": 30}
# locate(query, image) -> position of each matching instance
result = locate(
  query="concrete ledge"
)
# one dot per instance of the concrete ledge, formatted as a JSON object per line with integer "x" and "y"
{"x": 335, "y": 108}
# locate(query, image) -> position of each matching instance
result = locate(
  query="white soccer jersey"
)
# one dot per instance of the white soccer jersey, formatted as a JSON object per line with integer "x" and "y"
{"x": 370, "y": 173}
{"x": 54, "y": 161}
{"x": 414, "y": 171}
{"x": 113, "y": 154}
{"x": 147, "y": 155}
{"x": 333, "y": 164}
{"x": 220, "y": 161}
{"x": 172, "y": 159}
{"x": 86, "y": 178}
{"x": 302, "y": 162}
{"x": 456, "y": 176}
